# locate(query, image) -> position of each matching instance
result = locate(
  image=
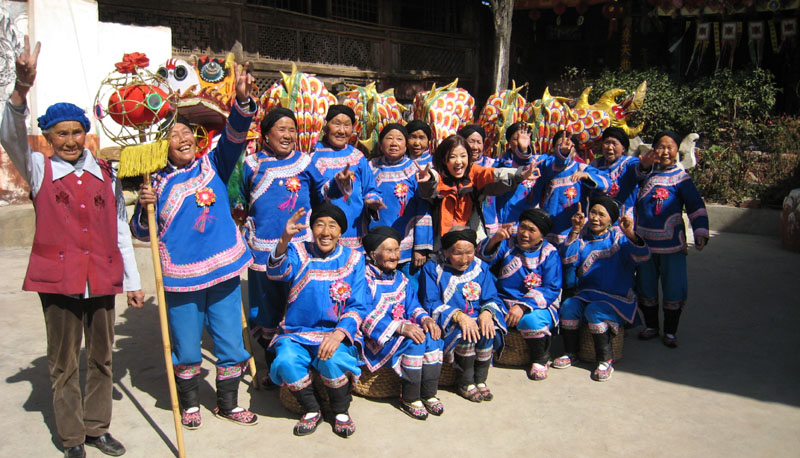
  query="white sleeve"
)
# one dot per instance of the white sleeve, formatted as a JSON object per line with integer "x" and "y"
{"x": 14, "y": 138}
{"x": 131, "y": 281}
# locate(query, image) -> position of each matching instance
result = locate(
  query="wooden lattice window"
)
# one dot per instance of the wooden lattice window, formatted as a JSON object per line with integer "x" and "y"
{"x": 447, "y": 61}
{"x": 277, "y": 43}
{"x": 357, "y": 10}
{"x": 187, "y": 32}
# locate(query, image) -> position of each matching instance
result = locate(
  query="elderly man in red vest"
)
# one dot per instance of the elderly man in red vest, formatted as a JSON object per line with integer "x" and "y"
{"x": 81, "y": 257}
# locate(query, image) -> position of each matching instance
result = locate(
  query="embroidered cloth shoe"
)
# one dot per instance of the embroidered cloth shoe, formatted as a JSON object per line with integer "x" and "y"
{"x": 537, "y": 372}
{"x": 344, "y": 428}
{"x": 434, "y": 406}
{"x": 106, "y": 444}
{"x": 670, "y": 340}
{"x": 414, "y": 411}
{"x": 486, "y": 395}
{"x": 603, "y": 371}
{"x": 191, "y": 420}
{"x": 565, "y": 361}
{"x": 238, "y": 415}
{"x": 306, "y": 426}
{"x": 471, "y": 394}
{"x": 648, "y": 333}
{"x": 77, "y": 451}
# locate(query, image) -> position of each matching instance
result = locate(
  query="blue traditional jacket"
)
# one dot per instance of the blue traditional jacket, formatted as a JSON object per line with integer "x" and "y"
{"x": 328, "y": 162}
{"x": 407, "y": 213}
{"x": 275, "y": 190}
{"x": 659, "y": 210}
{"x": 425, "y": 159}
{"x": 489, "y": 207}
{"x": 531, "y": 279}
{"x": 325, "y": 294}
{"x": 444, "y": 291}
{"x": 199, "y": 243}
{"x": 528, "y": 193}
{"x": 390, "y": 305}
{"x": 560, "y": 196}
{"x": 604, "y": 267}
{"x": 618, "y": 181}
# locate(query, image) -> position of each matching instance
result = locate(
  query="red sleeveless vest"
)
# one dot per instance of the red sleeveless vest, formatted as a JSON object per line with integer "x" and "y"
{"x": 76, "y": 236}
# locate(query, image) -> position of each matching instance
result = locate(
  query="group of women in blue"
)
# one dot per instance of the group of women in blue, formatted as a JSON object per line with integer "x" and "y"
{"x": 374, "y": 233}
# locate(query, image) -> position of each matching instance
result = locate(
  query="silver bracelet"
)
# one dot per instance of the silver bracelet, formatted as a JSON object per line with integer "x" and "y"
{"x": 23, "y": 83}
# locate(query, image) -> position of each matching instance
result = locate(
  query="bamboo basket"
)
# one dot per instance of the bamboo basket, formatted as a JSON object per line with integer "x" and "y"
{"x": 515, "y": 352}
{"x": 383, "y": 383}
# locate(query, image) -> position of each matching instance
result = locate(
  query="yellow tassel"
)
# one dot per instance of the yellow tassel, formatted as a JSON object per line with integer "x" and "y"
{"x": 138, "y": 160}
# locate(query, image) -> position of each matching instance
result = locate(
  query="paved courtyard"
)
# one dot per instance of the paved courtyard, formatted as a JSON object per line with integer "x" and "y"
{"x": 732, "y": 388}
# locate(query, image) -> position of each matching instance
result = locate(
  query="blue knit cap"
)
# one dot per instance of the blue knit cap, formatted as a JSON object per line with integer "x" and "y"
{"x": 60, "y": 112}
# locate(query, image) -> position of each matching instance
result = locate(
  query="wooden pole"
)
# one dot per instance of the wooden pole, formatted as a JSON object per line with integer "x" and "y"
{"x": 248, "y": 346}
{"x": 162, "y": 315}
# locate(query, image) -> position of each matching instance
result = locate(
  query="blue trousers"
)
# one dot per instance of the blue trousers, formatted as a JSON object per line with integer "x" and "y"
{"x": 671, "y": 269}
{"x": 598, "y": 315}
{"x": 219, "y": 310}
{"x": 412, "y": 356}
{"x": 293, "y": 362}
{"x": 536, "y": 323}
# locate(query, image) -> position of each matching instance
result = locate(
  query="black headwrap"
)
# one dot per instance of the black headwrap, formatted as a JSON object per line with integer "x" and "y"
{"x": 390, "y": 127}
{"x": 609, "y": 204}
{"x": 512, "y": 129}
{"x": 419, "y": 124}
{"x": 274, "y": 116}
{"x": 456, "y": 235}
{"x": 377, "y": 235}
{"x": 538, "y": 217}
{"x": 330, "y": 210}
{"x": 335, "y": 110}
{"x": 619, "y": 134}
{"x": 470, "y": 129}
{"x": 667, "y": 133}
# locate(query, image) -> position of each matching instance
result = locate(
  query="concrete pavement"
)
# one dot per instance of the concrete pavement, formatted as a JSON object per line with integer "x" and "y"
{"x": 730, "y": 389}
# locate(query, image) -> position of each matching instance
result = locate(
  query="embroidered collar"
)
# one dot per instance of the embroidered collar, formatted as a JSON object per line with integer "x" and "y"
{"x": 85, "y": 163}
{"x": 378, "y": 274}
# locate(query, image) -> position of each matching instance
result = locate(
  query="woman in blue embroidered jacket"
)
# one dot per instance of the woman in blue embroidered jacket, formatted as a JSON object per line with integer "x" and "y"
{"x": 615, "y": 170}
{"x": 419, "y": 141}
{"x": 662, "y": 197}
{"x": 459, "y": 292}
{"x": 396, "y": 178}
{"x": 326, "y": 305}
{"x": 277, "y": 181}
{"x": 398, "y": 331}
{"x": 520, "y": 154}
{"x": 475, "y": 135}
{"x": 354, "y": 191}
{"x": 605, "y": 257}
{"x": 202, "y": 256}
{"x": 560, "y": 195}
{"x": 529, "y": 282}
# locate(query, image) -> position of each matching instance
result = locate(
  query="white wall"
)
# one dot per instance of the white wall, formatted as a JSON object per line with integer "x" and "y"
{"x": 78, "y": 52}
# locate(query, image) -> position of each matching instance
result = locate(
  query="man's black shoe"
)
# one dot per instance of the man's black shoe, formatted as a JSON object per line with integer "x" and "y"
{"x": 75, "y": 452}
{"x": 106, "y": 444}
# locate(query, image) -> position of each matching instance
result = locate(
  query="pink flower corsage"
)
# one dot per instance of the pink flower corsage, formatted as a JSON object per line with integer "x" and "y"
{"x": 339, "y": 292}
{"x": 472, "y": 293}
{"x": 614, "y": 190}
{"x": 397, "y": 311}
{"x": 401, "y": 192}
{"x": 532, "y": 280}
{"x": 293, "y": 185}
{"x": 529, "y": 184}
{"x": 204, "y": 197}
{"x": 660, "y": 194}
{"x": 571, "y": 194}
